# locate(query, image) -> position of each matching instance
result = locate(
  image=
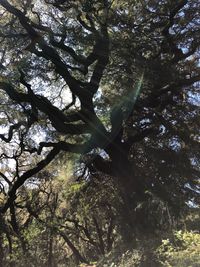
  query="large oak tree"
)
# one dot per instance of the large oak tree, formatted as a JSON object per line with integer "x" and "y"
{"x": 131, "y": 72}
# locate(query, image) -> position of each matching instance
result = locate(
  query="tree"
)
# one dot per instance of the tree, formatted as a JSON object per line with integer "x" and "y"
{"x": 131, "y": 68}
{"x": 56, "y": 222}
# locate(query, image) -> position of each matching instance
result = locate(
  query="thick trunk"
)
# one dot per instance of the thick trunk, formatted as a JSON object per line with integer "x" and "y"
{"x": 123, "y": 175}
{"x": 123, "y": 172}
{"x": 131, "y": 190}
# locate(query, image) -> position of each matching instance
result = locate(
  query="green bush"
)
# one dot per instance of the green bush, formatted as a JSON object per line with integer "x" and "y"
{"x": 182, "y": 250}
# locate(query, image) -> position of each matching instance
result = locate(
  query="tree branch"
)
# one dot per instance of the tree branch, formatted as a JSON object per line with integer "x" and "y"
{"x": 21, "y": 179}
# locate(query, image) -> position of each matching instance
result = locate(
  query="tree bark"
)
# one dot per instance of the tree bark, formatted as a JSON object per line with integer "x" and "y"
{"x": 50, "y": 251}
{"x": 1, "y": 249}
{"x": 131, "y": 189}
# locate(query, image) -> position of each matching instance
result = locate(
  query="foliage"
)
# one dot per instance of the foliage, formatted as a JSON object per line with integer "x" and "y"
{"x": 183, "y": 250}
{"x": 99, "y": 128}
{"x": 57, "y": 216}
{"x": 128, "y": 101}
{"x": 172, "y": 248}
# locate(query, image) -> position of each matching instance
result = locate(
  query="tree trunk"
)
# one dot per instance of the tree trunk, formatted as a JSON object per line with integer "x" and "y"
{"x": 75, "y": 251}
{"x": 51, "y": 262}
{"x": 131, "y": 191}
{"x": 1, "y": 249}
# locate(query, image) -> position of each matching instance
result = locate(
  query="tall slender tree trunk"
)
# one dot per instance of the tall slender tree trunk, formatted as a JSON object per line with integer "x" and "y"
{"x": 50, "y": 251}
{"x": 1, "y": 241}
{"x": 1, "y": 249}
{"x": 75, "y": 251}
